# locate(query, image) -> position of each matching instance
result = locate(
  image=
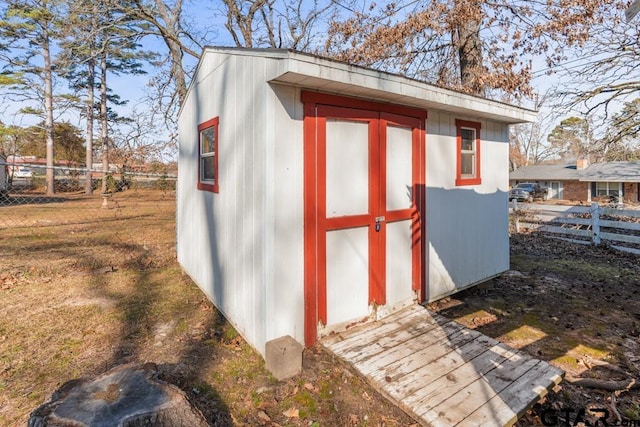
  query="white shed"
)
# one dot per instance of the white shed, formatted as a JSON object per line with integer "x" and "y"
{"x": 313, "y": 194}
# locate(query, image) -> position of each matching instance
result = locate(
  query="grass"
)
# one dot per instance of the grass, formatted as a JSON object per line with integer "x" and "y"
{"x": 85, "y": 289}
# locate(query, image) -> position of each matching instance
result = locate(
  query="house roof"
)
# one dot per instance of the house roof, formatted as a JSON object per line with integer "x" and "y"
{"x": 546, "y": 173}
{"x": 597, "y": 172}
{"x": 612, "y": 172}
{"x": 326, "y": 75}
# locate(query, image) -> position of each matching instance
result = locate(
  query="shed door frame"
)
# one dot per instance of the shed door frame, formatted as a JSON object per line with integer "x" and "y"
{"x": 315, "y": 106}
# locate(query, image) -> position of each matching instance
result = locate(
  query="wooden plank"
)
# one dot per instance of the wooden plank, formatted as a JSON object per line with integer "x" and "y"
{"x": 572, "y": 221}
{"x": 438, "y": 362}
{"x": 475, "y": 395}
{"x": 391, "y": 340}
{"x": 556, "y": 209}
{"x": 623, "y": 249}
{"x": 620, "y": 238}
{"x": 430, "y": 348}
{"x": 366, "y": 343}
{"x": 561, "y": 230}
{"x": 635, "y": 226}
{"x": 442, "y": 372}
{"x": 366, "y": 333}
{"x": 505, "y": 408}
{"x": 566, "y": 239}
{"x": 416, "y": 342}
{"x": 620, "y": 212}
{"x": 473, "y": 369}
{"x": 349, "y": 333}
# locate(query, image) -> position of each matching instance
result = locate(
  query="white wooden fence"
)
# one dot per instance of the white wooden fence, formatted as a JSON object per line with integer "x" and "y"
{"x": 619, "y": 228}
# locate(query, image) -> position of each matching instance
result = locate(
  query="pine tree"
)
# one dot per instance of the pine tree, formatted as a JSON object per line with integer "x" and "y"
{"x": 28, "y": 30}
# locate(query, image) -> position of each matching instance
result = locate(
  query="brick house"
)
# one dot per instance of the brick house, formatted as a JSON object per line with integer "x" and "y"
{"x": 582, "y": 182}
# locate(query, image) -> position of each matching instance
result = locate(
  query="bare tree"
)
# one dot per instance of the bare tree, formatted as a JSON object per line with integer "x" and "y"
{"x": 277, "y": 24}
{"x": 140, "y": 141}
{"x": 469, "y": 45}
{"x": 602, "y": 80}
{"x": 165, "y": 20}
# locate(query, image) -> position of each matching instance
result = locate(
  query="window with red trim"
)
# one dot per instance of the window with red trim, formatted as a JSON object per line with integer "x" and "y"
{"x": 208, "y": 155}
{"x": 468, "y": 153}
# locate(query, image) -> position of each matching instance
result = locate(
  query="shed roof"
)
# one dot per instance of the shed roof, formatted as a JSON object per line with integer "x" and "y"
{"x": 327, "y": 75}
{"x": 546, "y": 172}
{"x": 612, "y": 172}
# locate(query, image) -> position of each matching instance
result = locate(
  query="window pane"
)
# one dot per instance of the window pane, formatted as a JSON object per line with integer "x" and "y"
{"x": 208, "y": 170}
{"x": 468, "y": 139}
{"x": 468, "y": 164}
{"x": 207, "y": 140}
{"x": 601, "y": 188}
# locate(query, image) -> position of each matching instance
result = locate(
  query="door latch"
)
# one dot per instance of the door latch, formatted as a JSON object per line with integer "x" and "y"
{"x": 379, "y": 219}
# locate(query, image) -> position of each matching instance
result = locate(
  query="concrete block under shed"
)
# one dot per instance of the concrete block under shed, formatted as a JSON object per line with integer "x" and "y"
{"x": 283, "y": 357}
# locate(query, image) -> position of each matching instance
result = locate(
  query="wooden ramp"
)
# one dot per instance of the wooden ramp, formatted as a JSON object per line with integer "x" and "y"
{"x": 442, "y": 373}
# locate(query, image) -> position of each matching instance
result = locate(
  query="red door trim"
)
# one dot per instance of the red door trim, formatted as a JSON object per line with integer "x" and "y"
{"x": 319, "y": 98}
{"x": 350, "y": 221}
{"x": 310, "y": 225}
{"x": 317, "y": 106}
{"x": 377, "y": 265}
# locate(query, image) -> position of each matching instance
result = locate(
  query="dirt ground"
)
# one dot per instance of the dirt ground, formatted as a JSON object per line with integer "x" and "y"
{"x": 84, "y": 289}
{"x": 575, "y": 306}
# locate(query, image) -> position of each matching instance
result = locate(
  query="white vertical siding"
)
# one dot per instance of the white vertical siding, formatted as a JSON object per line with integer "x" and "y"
{"x": 221, "y": 237}
{"x": 467, "y": 226}
{"x": 245, "y": 246}
{"x": 285, "y": 306}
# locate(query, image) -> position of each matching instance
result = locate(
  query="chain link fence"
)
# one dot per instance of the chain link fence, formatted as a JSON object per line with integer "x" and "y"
{"x": 25, "y": 201}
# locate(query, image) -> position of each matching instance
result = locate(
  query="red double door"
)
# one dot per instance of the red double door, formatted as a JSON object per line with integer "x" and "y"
{"x": 364, "y": 204}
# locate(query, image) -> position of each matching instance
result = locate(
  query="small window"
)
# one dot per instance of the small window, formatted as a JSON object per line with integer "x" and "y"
{"x": 468, "y": 153}
{"x": 208, "y": 155}
{"x": 608, "y": 189}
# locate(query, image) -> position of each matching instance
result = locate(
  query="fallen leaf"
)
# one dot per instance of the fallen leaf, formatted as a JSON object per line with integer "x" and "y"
{"x": 264, "y": 417}
{"x": 263, "y": 405}
{"x": 291, "y": 413}
{"x": 386, "y": 420}
{"x": 308, "y": 386}
{"x": 295, "y": 390}
{"x": 366, "y": 396}
{"x": 354, "y": 419}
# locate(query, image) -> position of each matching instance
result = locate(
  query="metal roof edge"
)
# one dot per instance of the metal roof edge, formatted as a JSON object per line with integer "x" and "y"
{"x": 317, "y": 73}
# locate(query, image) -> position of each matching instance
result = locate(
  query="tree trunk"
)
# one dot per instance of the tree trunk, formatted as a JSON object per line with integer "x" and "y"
{"x": 128, "y": 396}
{"x": 48, "y": 112}
{"x": 172, "y": 19}
{"x": 470, "y": 46}
{"x": 88, "y": 186}
{"x": 103, "y": 120}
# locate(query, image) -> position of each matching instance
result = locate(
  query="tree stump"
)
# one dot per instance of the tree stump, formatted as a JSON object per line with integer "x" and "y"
{"x": 127, "y": 396}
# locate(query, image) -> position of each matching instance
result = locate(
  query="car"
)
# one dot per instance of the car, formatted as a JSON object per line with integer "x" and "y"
{"x": 22, "y": 172}
{"x": 528, "y": 192}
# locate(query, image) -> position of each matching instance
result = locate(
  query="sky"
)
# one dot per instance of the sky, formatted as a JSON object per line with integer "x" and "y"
{"x": 208, "y": 16}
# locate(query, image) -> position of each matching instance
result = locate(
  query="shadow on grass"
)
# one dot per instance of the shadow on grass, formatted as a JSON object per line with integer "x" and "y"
{"x": 561, "y": 302}
{"x": 32, "y": 199}
{"x": 142, "y": 298}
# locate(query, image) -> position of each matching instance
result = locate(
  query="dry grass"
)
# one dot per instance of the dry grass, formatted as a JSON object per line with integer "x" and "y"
{"x": 84, "y": 289}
